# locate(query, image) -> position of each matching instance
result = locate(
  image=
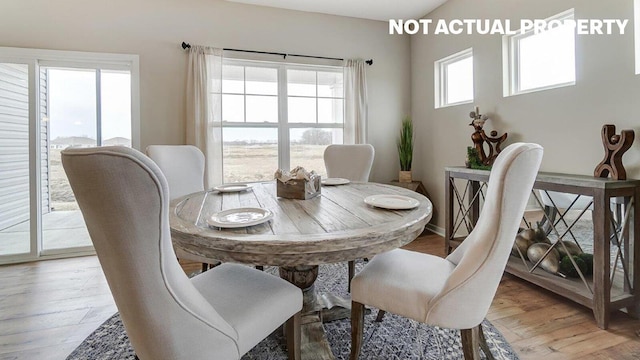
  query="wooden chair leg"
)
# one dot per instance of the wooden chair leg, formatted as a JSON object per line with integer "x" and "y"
{"x": 483, "y": 344}
{"x": 470, "y": 343}
{"x": 357, "y": 329}
{"x": 205, "y": 267}
{"x": 352, "y": 273}
{"x": 380, "y": 315}
{"x": 292, "y": 331}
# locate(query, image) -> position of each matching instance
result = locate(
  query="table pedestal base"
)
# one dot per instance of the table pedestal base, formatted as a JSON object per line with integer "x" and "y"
{"x": 316, "y": 309}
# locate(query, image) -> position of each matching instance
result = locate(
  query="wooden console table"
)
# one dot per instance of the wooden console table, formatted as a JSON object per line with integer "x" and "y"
{"x": 612, "y": 286}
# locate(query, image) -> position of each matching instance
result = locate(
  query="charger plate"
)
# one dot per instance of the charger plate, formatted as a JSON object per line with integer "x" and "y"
{"x": 334, "y": 181}
{"x": 232, "y": 187}
{"x": 241, "y": 217}
{"x": 392, "y": 202}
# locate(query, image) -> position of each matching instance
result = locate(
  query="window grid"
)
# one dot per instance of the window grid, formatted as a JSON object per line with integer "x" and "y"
{"x": 283, "y": 125}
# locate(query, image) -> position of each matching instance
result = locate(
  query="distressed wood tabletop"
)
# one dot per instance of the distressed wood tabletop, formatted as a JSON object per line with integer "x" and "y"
{"x": 336, "y": 226}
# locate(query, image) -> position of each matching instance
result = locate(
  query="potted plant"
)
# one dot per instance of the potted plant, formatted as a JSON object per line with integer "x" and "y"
{"x": 405, "y": 149}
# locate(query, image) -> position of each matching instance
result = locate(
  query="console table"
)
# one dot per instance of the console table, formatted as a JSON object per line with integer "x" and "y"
{"x": 614, "y": 284}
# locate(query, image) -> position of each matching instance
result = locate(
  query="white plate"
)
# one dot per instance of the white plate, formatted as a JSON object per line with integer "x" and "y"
{"x": 335, "y": 181}
{"x": 392, "y": 202}
{"x": 232, "y": 187}
{"x": 242, "y": 217}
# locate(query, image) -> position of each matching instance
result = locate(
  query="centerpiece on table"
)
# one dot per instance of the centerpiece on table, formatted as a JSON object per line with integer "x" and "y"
{"x": 297, "y": 183}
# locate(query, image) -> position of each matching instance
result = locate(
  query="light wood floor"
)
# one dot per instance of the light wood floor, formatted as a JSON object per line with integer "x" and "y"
{"x": 48, "y": 308}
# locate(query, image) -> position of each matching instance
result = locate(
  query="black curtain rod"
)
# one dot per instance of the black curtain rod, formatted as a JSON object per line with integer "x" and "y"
{"x": 187, "y": 46}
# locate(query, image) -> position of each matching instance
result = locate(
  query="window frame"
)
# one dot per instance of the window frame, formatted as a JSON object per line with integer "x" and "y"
{"x": 511, "y": 59}
{"x": 283, "y": 126}
{"x": 441, "y": 78}
{"x": 35, "y": 59}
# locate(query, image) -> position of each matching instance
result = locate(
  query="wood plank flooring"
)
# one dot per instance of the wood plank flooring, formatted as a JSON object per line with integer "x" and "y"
{"x": 47, "y": 308}
{"x": 541, "y": 325}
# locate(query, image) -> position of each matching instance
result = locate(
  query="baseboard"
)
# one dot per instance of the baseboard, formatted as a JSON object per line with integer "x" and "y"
{"x": 435, "y": 229}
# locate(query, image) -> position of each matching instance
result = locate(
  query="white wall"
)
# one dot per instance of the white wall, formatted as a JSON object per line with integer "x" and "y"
{"x": 155, "y": 29}
{"x": 566, "y": 121}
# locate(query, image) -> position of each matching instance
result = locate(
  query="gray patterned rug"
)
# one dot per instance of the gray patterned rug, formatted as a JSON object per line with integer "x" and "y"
{"x": 394, "y": 338}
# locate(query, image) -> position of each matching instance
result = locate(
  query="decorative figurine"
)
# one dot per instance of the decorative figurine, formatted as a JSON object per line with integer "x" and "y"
{"x": 614, "y": 147}
{"x": 479, "y": 138}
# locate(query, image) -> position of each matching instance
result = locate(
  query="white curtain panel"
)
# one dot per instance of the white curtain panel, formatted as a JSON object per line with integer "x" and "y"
{"x": 355, "y": 82}
{"x": 204, "y": 108}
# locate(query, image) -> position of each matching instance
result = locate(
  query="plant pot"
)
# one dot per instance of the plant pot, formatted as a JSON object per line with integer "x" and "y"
{"x": 405, "y": 176}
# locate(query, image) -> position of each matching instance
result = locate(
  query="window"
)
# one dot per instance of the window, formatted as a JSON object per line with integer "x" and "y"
{"x": 454, "y": 79}
{"x": 541, "y": 61}
{"x": 278, "y": 116}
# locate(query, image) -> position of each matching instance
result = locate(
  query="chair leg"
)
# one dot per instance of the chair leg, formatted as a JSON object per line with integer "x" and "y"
{"x": 205, "y": 267}
{"x": 292, "y": 331}
{"x": 483, "y": 344}
{"x": 357, "y": 327}
{"x": 380, "y": 315}
{"x": 352, "y": 273}
{"x": 470, "y": 343}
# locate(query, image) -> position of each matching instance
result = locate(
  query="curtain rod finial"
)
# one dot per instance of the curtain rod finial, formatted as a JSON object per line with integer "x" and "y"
{"x": 370, "y": 61}
{"x": 185, "y": 46}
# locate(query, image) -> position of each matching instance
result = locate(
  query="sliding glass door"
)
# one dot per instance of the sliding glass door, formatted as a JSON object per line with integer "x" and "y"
{"x": 83, "y": 107}
{"x": 53, "y": 101}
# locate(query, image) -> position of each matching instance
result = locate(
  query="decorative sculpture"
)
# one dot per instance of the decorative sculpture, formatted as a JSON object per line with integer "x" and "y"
{"x": 614, "y": 147}
{"x": 479, "y": 138}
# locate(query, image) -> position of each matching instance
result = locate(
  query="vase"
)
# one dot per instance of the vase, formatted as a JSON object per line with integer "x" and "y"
{"x": 405, "y": 176}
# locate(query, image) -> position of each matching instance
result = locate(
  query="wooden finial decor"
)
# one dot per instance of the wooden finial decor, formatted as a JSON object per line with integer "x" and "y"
{"x": 479, "y": 139}
{"x": 614, "y": 147}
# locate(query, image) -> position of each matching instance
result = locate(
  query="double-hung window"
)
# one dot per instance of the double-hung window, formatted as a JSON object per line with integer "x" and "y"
{"x": 278, "y": 116}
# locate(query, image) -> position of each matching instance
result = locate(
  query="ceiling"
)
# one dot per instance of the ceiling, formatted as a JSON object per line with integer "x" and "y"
{"x": 366, "y": 9}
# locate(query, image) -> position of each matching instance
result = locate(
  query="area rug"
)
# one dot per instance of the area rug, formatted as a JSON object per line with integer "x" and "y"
{"x": 395, "y": 338}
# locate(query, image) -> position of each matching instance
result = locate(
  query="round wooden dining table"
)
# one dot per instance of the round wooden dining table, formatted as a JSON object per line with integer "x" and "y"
{"x": 335, "y": 226}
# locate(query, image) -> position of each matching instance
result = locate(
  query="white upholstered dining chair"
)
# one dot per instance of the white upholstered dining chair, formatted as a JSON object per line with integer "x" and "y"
{"x": 351, "y": 162}
{"x": 453, "y": 292}
{"x": 219, "y": 314}
{"x": 183, "y": 167}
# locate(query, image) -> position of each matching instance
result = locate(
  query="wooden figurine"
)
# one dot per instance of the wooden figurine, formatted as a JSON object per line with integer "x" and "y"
{"x": 614, "y": 147}
{"x": 479, "y": 138}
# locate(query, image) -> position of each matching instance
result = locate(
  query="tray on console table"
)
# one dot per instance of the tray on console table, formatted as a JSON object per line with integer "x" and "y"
{"x": 464, "y": 193}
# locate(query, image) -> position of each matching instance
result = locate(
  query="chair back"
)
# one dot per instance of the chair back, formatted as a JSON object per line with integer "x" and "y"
{"x": 124, "y": 199}
{"x": 352, "y": 162}
{"x": 480, "y": 260}
{"x": 182, "y": 166}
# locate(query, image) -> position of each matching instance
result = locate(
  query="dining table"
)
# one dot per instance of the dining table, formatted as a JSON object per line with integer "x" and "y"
{"x": 350, "y": 221}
